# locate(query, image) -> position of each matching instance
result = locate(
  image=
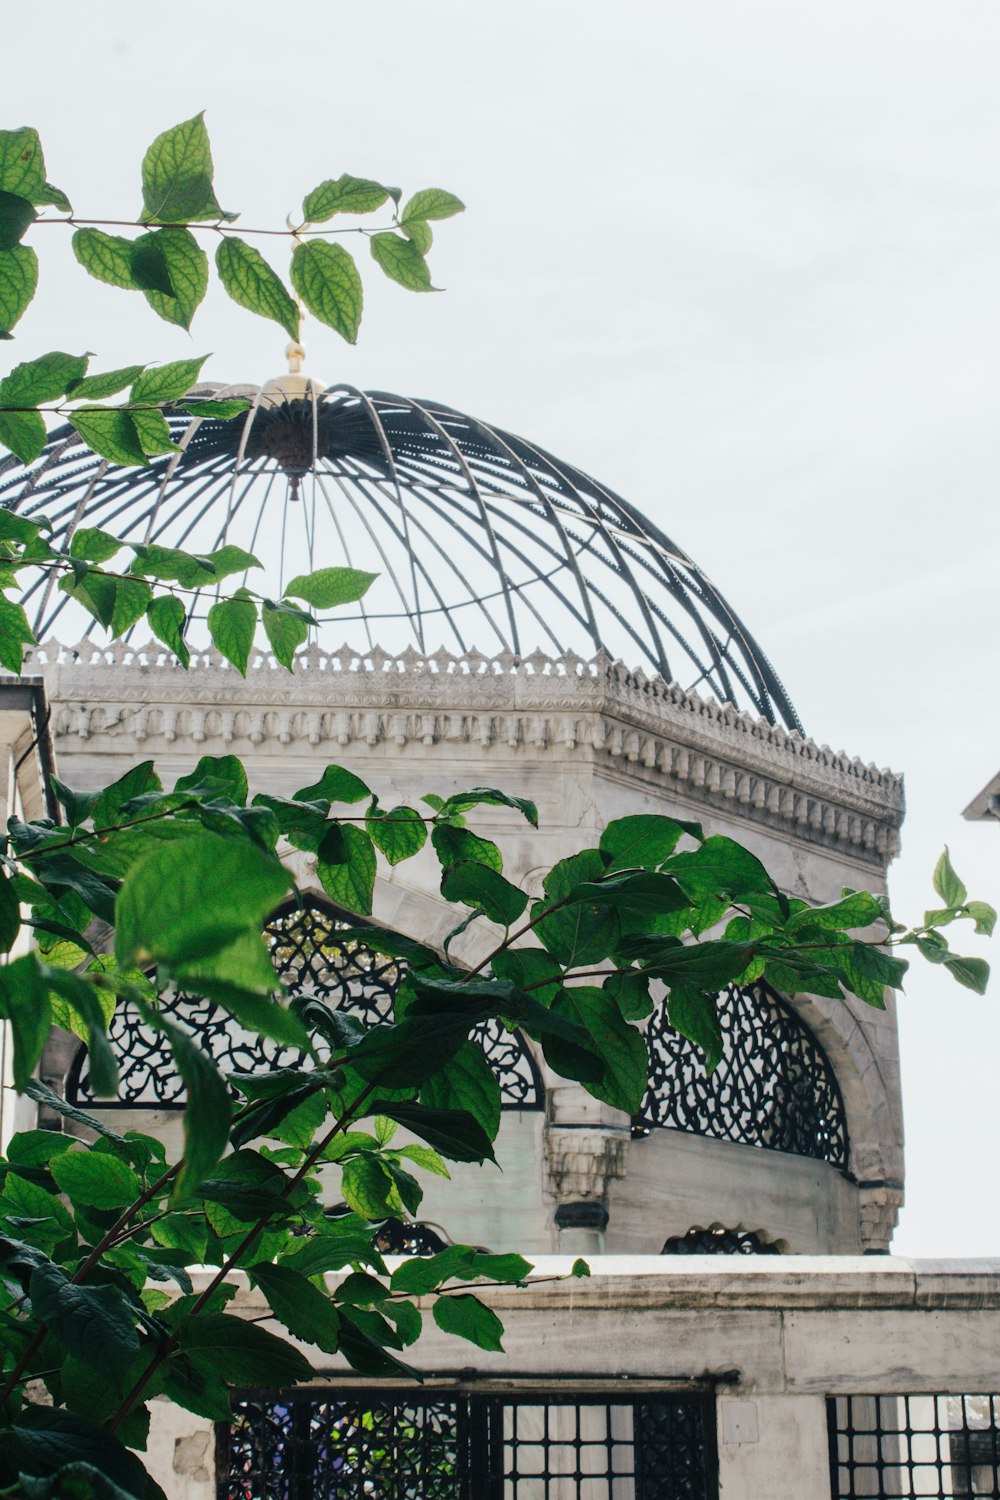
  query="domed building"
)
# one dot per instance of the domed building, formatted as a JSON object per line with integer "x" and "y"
{"x": 530, "y": 630}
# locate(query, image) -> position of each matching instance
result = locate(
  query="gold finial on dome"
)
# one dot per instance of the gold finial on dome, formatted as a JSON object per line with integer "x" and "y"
{"x": 294, "y": 386}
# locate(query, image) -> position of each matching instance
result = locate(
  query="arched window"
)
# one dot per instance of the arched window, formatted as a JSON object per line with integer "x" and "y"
{"x": 719, "y": 1241}
{"x": 310, "y": 958}
{"x": 773, "y": 1088}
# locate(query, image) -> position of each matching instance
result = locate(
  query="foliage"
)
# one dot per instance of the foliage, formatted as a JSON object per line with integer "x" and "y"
{"x": 140, "y": 888}
{"x": 163, "y": 260}
{"x": 96, "y": 1226}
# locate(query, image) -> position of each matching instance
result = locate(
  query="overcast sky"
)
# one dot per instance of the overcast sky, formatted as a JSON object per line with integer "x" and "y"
{"x": 740, "y": 262}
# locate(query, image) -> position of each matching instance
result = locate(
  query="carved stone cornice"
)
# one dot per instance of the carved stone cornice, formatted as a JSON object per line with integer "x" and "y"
{"x": 711, "y": 753}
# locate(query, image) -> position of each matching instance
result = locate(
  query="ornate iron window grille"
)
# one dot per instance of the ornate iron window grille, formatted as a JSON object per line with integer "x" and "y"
{"x": 774, "y": 1087}
{"x": 311, "y": 959}
{"x": 719, "y": 1241}
{"x": 394, "y": 1445}
{"x": 933, "y": 1447}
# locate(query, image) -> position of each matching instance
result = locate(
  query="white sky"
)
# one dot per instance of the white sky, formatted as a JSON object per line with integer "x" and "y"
{"x": 742, "y": 263}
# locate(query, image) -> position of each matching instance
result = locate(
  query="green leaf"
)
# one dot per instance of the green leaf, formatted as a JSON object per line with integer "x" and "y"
{"x": 96, "y": 1179}
{"x": 242, "y": 1353}
{"x": 217, "y": 773}
{"x": 619, "y": 1048}
{"x": 856, "y": 909}
{"x": 468, "y": 1318}
{"x": 48, "y": 194}
{"x": 423, "y": 1274}
{"x": 16, "y": 215}
{"x": 637, "y": 892}
{"x": 401, "y": 261}
{"x": 112, "y": 801}
{"x": 79, "y": 1006}
{"x": 466, "y": 1084}
{"x": 452, "y": 845}
{"x": 327, "y": 280}
{"x": 477, "y": 885}
{"x": 18, "y": 280}
{"x": 420, "y": 232}
{"x": 328, "y": 587}
{"x": 869, "y": 971}
{"x": 531, "y": 969}
{"x": 187, "y": 267}
{"x": 42, "y": 1094}
{"x": 973, "y": 973}
{"x": 15, "y": 633}
{"x": 94, "y": 545}
{"x": 336, "y": 784}
{"x": 488, "y": 796}
{"x": 369, "y": 1189}
{"x": 983, "y": 915}
{"x": 150, "y": 272}
{"x": 57, "y": 1440}
{"x": 23, "y": 432}
{"x": 22, "y": 166}
{"x": 166, "y": 382}
{"x": 224, "y": 410}
{"x": 153, "y": 433}
{"x": 252, "y": 283}
{"x": 132, "y": 598}
{"x": 195, "y": 896}
{"x": 946, "y": 882}
{"x": 94, "y": 1324}
{"x": 695, "y": 1015}
{"x": 721, "y": 867}
{"x": 232, "y": 624}
{"x": 399, "y": 833}
{"x": 296, "y": 1302}
{"x": 177, "y": 176}
{"x": 579, "y": 1268}
{"x": 644, "y": 839}
{"x": 110, "y": 432}
{"x": 106, "y": 257}
{"x": 348, "y": 879}
{"x": 24, "y": 1003}
{"x": 208, "y": 1112}
{"x": 455, "y": 1133}
{"x": 343, "y": 195}
{"x": 583, "y": 933}
{"x": 431, "y": 203}
{"x": 286, "y": 628}
{"x": 167, "y": 619}
{"x": 100, "y": 387}
{"x": 512, "y": 1269}
{"x": 10, "y": 913}
{"x": 43, "y": 379}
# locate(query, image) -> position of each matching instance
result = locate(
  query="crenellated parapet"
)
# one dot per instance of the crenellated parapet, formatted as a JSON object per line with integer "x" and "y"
{"x": 533, "y": 706}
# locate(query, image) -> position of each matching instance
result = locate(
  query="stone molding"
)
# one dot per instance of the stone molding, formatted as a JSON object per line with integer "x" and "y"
{"x": 544, "y": 705}
{"x": 879, "y": 1204}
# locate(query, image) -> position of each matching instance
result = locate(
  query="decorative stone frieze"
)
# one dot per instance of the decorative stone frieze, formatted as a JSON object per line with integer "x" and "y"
{"x": 539, "y": 705}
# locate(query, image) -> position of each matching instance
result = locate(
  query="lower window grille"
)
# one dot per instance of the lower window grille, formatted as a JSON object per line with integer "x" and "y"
{"x": 394, "y": 1445}
{"x": 914, "y": 1447}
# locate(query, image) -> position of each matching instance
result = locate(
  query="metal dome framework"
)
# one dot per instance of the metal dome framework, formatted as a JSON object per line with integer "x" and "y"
{"x": 482, "y": 541}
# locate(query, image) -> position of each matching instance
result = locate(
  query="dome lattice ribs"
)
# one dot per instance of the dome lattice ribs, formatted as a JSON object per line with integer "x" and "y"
{"x": 481, "y": 540}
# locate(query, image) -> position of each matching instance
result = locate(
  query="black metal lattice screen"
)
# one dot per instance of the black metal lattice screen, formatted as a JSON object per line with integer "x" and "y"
{"x": 774, "y": 1086}
{"x": 310, "y": 958}
{"x": 717, "y": 1240}
{"x": 390, "y": 1445}
{"x": 931, "y": 1447}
